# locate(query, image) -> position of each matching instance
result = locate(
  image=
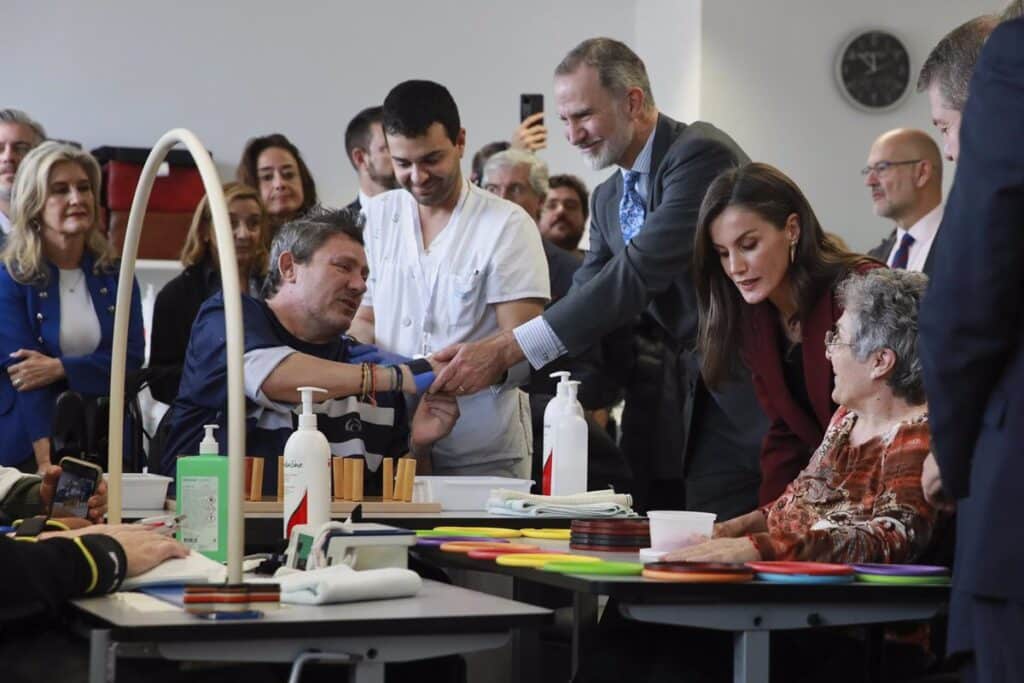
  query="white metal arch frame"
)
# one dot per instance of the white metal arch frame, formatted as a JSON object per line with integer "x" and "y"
{"x": 233, "y": 321}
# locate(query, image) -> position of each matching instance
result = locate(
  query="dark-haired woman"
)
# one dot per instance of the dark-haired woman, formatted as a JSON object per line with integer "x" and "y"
{"x": 765, "y": 275}
{"x": 274, "y": 166}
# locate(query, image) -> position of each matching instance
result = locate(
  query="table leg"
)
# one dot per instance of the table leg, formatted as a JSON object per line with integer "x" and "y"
{"x": 584, "y": 626}
{"x": 367, "y": 672}
{"x": 750, "y": 657}
{"x": 102, "y": 657}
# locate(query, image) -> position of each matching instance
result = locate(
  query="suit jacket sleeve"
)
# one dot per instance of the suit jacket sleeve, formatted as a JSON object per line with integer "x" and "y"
{"x": 971, "y": 317}
{"x": 34, "y": 407}
{"x": 621, "y": 287}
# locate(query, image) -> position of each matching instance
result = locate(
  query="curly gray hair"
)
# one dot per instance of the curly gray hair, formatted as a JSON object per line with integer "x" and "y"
{"x": 883, "y": 305}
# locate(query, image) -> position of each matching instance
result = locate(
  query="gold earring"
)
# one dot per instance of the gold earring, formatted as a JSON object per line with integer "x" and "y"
{"x": 792, "y": 251}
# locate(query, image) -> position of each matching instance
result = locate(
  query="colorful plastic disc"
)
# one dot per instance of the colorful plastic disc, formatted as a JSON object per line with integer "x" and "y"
{"x": 607, "y": 539}
{"x": 541, "y": 559}
{"x": 803, "y": 578}
{"x": 904, "y": 580}
{"x": 466, "y": 546}
{"x": 902, "y": 569}
{"x": 629, "y": 527}
{"x": 605, "y": 548}
{"x": 602, "y": 568}
{"x": 696, "y": 577}
{"x": 495, "y": 553}
{"x": 803, "y": 568}
{"x": 550, "y": 534}
{"x": 441, "y": 540}
{"x": 489, "y": 531}
{"x": 700, "y": 567}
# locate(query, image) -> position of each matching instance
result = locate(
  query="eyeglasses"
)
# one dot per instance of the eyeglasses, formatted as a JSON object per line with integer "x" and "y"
{"x": 832, "y": 339}
{"x": 883, "y": 166}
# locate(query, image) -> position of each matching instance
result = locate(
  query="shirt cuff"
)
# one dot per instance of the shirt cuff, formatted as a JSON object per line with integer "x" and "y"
{"x": 539, "y": 342}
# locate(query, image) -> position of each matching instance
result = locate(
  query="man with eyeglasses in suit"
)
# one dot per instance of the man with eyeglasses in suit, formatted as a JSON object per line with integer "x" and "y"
{"x": 904, "y": 175}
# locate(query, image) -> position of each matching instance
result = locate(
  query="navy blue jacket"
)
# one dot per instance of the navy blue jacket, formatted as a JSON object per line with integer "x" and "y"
{"x": 972, "y": 326}
{"x": 30, "y": 318}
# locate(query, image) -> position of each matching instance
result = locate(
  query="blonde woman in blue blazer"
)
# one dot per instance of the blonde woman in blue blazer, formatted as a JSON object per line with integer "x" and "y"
{"x": 58, "y": 288}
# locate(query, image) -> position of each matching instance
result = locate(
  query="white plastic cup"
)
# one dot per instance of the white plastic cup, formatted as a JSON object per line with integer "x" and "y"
{"x": 674, "y": 529}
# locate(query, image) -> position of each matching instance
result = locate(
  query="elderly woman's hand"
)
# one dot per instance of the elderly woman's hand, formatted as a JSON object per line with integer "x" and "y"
{"x": 717, "y": 550}
{"x": 35, "y": 370}
{"x": 931, "y": 483}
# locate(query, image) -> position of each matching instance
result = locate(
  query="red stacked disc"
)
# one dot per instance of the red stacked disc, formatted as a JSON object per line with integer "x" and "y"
{"x": 610, "y": 535}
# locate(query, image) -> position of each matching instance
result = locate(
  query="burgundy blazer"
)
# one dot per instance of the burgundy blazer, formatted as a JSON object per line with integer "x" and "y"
{"x": 794, "y": 434}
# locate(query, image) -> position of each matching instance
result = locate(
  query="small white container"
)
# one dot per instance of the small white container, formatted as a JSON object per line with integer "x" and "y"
{"x": 140, "y": 491}
{"x": 674, "y": 529}
{"x": 463, "y": 493}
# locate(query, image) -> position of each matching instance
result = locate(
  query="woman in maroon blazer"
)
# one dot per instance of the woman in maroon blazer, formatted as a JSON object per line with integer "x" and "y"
{"x": 765, "y": 276}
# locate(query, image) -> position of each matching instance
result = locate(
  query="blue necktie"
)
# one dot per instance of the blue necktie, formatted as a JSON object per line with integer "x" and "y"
{"x": 902, "y": 255}
{"x": 631, "y": 207}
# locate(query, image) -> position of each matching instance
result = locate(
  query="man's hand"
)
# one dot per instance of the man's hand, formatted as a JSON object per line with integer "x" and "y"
{"x": 532, "y": 134}
{"x": 143, "y": 548}
{"x": 476, "y": 365}
{"x": 97, "y": 503}
{"x": 35, "y": 370}
{"x": 435, "y": 416}
{"x": 931, "y": 484}
{"x": 717, "y": 550}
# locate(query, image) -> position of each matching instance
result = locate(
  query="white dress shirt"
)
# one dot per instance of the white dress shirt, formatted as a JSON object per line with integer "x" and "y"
{"x": 923, "y": 232}
{"x": 426, "y": 299}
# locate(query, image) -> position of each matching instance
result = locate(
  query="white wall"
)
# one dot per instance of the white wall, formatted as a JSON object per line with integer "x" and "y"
{"x": 767, "y": 79}
{"x": 120, "y": 72}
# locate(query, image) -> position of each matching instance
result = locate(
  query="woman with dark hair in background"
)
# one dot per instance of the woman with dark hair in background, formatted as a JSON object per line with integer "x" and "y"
{"x": 765, "y": 276}
{"x": 273, "y": 165}
{"x": 178, "y": 302}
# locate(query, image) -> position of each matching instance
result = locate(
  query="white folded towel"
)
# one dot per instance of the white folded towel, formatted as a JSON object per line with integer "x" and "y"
{"x": 606, "y": 496}
{"x": 341, "y": 583}
{"x": 591, "y": 504}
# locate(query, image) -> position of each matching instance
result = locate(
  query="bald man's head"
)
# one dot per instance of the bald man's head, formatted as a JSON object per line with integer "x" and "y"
{"x": 904, "y": 175}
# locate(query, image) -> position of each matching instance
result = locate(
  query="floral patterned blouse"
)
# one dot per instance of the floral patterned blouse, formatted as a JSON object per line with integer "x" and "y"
{"x": 855, "y": 503}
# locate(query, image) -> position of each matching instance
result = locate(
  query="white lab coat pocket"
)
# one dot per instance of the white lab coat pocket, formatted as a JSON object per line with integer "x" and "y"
{"x": 466, "y": 299}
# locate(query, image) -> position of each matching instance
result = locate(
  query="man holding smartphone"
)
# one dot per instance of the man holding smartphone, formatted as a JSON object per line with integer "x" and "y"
{"x": 28, "y": 495}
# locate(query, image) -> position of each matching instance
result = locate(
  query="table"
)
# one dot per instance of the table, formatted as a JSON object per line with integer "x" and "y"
{"x": 440, "y": 620}
{"x": 749, "y": 610}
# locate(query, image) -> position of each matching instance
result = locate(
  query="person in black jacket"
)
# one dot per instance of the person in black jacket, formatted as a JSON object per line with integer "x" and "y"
{"x": 178, "y": 302}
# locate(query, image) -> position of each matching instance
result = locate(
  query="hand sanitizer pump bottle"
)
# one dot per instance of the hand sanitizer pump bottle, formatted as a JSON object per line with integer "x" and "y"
{"x": 554, "y": 406}
{"x": 307, "y": 475}
{"x": 201, "y": 497}
{"x": 569, "y": 462}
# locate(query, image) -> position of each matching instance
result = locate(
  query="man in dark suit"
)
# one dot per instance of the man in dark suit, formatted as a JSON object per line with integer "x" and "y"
{"x": 973, "y": 358}
{"x": 368, "y": 151}
{"x": 904, "y": 174}
{"x": 641, "y": 245}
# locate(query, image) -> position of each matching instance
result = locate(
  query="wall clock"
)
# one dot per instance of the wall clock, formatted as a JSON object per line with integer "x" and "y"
{"x": 873, "y": 70}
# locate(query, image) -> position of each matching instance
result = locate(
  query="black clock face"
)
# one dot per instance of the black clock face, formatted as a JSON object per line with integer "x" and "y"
{"x": 874, "y": 70}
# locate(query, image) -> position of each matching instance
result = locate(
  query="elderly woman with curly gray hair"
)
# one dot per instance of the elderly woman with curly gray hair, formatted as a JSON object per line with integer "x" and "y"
{"x": 860, "y": 498}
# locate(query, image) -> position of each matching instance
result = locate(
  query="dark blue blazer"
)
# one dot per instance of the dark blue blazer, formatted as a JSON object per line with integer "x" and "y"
{"x": 972, "y": 327}
{"x": 30, "y": 319}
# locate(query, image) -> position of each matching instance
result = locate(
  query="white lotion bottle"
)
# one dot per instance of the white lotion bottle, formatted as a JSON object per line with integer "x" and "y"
{"x": 569, "y": 459}
{"x": 548, "y": 441}
{"x": 307, "y": 475}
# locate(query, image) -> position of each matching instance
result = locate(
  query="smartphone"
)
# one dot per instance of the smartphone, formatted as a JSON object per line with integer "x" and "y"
{"x": 530, "y": 104}
{"x": 78, "y": 481}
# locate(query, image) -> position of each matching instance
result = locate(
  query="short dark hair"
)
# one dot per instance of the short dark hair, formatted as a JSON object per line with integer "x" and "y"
{"x": 248, "y": 171}
{"x": 576, "y": 185}
{"x": 359, "y": 130}
{"x": 481, "y": 157}
{"x": 951, "y": 62}
{"x": 618, "y": 67}
{"x": 303, "y": 237}
{"x": 412, "y": 107}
